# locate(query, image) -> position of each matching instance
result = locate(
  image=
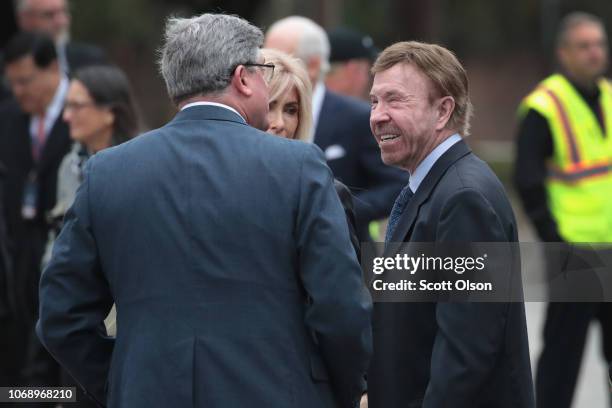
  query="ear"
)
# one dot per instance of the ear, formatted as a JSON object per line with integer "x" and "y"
{"x": 313, "y": 67}
{"x": 241, "y": 81}
{"x": 446, "y": 107}
{"x": 562, "y": 55}
{"x": 109, "y": 117}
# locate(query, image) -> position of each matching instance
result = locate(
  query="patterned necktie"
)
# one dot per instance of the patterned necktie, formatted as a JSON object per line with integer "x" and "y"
{"x": 39, "y": 141}
{"x": 398, "y": 208}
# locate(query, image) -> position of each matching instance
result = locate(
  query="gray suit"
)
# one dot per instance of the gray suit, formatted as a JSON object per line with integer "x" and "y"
{"x": 228, "y": 255}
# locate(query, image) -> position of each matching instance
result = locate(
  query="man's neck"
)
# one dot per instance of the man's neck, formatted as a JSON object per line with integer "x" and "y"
{"x": 48, "y": 95}
{"x": 587, "y": 85}
{"x": 226, "y": 102}
{"x": 436, "y": 141}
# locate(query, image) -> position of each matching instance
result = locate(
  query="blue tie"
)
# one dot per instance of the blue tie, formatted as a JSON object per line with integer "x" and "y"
{"x": 398, "y": 208}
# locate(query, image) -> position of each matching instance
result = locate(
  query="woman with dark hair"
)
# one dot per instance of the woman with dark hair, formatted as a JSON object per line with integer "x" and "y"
{"x": 100, "y": 112}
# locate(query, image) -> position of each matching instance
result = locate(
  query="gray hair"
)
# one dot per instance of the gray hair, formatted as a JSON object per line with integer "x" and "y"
{"x": 313, "y": 40}
{"x": 573, "y": 20}
{"x": 21, "y": 5}
{"x": 200, "y": 53}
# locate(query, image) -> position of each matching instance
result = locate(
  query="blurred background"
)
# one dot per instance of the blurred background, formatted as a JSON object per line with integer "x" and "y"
{"x": 506, "y": 47}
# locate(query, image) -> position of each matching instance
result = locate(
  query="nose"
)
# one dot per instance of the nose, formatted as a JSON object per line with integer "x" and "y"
{"x": 275, "y": 122}
{"x": 61, "y": 18}
{"x": 67, "y": 115}
{"x": 378, "y": 115}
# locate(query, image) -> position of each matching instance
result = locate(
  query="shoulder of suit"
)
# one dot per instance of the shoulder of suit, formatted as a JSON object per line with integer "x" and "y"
{"x": 10, "y": 107}
{"x": 80, "y": 55}
{"x": 348, "y": 103}
{"x": 471, "y": 172}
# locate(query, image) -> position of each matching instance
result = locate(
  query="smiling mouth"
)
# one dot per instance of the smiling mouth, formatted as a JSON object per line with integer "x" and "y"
{"x": 386, "y": 138}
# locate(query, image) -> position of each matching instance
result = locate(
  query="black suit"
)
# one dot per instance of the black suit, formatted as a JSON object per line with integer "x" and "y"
{"x": 26, "y": 239}
{"x": 346, "y": 199}
{"x": 444, "y": 354}
{"x": 343, "y": 133}
{"x": 79, "y": 55}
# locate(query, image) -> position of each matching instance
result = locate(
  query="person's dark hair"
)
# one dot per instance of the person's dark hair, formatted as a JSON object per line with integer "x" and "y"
{"x": 110, "y": 87}
{"x": 40, "y": 46}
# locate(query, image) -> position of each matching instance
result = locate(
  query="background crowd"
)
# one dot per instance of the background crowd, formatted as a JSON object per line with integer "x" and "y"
{"x": 63, "y": 100}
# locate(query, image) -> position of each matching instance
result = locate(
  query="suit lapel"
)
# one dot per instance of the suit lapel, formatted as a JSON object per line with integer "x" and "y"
{"x": 324, "y": 125}
{"x": 57, "y": 144}
{"x": 457, "y": 151}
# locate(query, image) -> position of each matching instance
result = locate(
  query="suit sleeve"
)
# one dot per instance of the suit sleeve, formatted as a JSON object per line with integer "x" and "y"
{"x": 383, "y": 182}
{"x": 534, "y": 147}
{"x": 4, "y": 260}
{"x": 75, "y": 299}
{"x": 339, "y": 314}
{"x": 469, "y": 334}
{"x": 346, "y": 198}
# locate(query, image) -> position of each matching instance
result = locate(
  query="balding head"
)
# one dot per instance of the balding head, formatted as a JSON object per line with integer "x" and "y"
{"x": 304, "y": 39}
{"x": 48, "y": 16}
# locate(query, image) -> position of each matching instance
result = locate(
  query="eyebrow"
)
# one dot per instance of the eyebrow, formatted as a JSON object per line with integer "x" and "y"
{"x": 389, "y": 93}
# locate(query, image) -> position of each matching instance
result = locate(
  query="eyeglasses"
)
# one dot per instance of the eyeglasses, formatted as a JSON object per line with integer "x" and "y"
{"x": 77, "y": 106}
{"x": 266, "y": 75}
{"x": 253, "y": 64}
{"x": 50, "y": 14}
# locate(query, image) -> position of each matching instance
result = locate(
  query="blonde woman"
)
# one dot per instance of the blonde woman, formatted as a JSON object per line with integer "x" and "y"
{"x": 290, "y": 115}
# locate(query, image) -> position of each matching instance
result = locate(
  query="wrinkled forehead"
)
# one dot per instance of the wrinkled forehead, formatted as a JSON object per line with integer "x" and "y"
{"x": 401, "y": 77}
{"x": 588, "y": 30}
{"x": 43, "y": 5}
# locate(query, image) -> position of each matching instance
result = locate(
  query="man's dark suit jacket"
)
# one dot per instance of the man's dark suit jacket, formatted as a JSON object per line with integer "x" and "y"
{"x": 5, "y": 276}
{"x": 26, "y": 239}
{"x": 79, "y": 55}
{"x": 343, "y": 133}
{"x": 227, "y": 253}
{"x": 455, "y": 355}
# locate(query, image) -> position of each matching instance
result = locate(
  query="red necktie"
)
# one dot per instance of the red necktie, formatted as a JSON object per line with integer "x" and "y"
{"x": 38, "y": 144}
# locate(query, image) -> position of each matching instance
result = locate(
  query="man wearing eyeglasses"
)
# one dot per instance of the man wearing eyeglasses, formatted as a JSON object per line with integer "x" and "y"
{"x": 225, "y": 250}
{"x": 33, "y": 141}
{"x": 53, "y": 17}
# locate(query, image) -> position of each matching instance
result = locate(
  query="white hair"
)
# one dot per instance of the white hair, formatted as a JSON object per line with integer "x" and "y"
{"x": 313, "y": 40}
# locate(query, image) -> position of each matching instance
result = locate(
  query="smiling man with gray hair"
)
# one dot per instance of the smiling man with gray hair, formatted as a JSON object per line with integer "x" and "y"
{"x": 225, "y": 249}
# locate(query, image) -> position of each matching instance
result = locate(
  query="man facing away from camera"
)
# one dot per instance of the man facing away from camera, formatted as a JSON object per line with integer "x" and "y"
{"x": 441, "y": 354}
{"x": 223, "y": 247}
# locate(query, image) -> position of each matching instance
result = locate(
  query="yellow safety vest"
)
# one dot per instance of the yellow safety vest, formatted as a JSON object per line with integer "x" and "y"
{"x": 579, "y": 182}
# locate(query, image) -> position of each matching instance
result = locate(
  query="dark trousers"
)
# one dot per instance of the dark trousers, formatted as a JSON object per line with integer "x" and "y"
{"x": 565, "y": 334}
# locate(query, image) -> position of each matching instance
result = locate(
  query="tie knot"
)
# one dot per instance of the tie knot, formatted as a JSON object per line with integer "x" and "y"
{"x": 405, "y": 195}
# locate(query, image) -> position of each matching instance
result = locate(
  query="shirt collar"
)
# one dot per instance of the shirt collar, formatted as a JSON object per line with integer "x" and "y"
{"x": 419, "y": 174}
{"x": 206, "y": 103}
{"x": 318, "y": 94}
{"x": 54, "y": 109}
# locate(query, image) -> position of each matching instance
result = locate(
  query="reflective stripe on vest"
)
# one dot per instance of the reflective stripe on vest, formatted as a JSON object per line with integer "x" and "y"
{"x": 579, "y": 183}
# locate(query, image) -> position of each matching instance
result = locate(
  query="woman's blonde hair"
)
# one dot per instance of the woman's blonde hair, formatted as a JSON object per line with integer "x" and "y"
{"x": 290, "y": 72}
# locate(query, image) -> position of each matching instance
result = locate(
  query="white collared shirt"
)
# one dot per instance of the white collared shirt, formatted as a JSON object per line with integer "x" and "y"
{"x": 419, "y": 174}
{"x": 318, "y": 94}
{"x": 206, "y": 103}
{"x": 54, "y": 109}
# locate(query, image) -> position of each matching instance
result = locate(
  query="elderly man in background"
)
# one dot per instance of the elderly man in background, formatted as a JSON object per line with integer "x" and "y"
{"x": 53, "y": 17}
{"x": 340, "y": 125}
{"x": 222, "y": 246}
